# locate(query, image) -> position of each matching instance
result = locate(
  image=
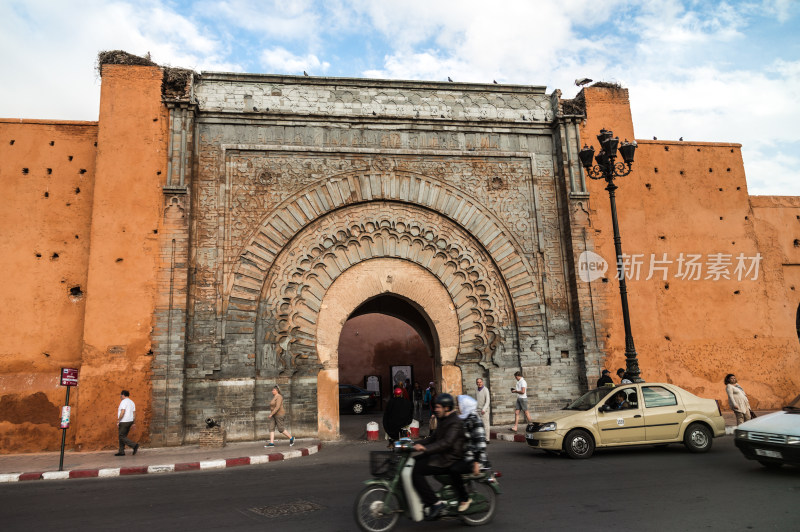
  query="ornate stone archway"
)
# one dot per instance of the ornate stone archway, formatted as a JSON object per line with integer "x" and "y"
{"x": 364, "y": 281}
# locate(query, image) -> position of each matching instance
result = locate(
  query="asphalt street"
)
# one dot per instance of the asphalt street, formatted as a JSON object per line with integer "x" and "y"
{"x": 648, "y": 488}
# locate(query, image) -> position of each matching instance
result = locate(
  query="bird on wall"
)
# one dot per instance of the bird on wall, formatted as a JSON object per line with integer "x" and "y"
{"x": 680, "y": 138}
{"x": 494, "y": 81}
{"x": 655, "y": 138}
{"x": 582, "y": 81}
{"x": 305, "y": 73}
{"x": 449, "y": 79}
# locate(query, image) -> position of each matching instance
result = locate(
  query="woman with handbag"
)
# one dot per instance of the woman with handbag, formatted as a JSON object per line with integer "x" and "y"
{"x": 737, "y": 399}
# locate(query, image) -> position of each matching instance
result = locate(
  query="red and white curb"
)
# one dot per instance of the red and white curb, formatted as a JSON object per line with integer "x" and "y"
{"x": 507, "y": 436}
{"x": 167, "y": 468}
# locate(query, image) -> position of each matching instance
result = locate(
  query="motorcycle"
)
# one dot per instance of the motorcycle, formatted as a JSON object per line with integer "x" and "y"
{"x": 390, "y": 493}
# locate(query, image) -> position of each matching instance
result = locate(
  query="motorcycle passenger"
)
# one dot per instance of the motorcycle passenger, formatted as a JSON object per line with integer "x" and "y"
{"x": 440, "y": 452}
{"x": 475, "y": 456}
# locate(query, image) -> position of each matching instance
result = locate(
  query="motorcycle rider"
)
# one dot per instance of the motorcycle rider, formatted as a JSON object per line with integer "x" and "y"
{"x": 440, "y": 452}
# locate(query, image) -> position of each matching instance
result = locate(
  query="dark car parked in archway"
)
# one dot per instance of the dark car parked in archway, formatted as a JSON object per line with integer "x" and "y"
{"x": 354, "y": 399}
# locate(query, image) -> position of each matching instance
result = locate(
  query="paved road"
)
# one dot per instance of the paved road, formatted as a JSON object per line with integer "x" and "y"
{"x": 640, "y": 489}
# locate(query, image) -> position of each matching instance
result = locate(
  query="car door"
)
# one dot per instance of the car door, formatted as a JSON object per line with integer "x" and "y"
{"x": 617, "y": 427}
{"x": 663, "y": 413}
{"x": 345, "y": 397}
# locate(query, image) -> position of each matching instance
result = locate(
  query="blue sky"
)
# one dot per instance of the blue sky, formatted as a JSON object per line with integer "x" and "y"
{"x": 701, "y": 70}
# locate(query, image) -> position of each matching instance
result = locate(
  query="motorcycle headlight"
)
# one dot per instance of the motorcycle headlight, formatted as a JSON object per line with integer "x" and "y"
{"x": 545, "y": 427}
{"x": 742, "y": 434}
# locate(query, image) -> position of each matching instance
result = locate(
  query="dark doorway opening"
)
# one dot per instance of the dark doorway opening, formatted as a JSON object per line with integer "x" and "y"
{"x": 380, "y": 336}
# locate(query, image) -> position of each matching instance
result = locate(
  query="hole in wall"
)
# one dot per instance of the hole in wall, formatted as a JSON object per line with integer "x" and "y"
{"x": 662, "y": 237}
{"x": 11, "y": 142}
{"x": 720, "y": 190}
{"x": 681, "y": 172}
{"x": 698, "y": 149}
{"x": 797, "y": 243}
{"x": 24, "y": 171}
{"x": 158, "y": 173}
{"x": 667, "y": 338}
{"x": 69, "y": 157}
{"x": 666, "y": 148}
{"x": 75, "y": 292}
{"x": 52, "y": 143}
{"x": 647, "y": 186}
{"x": 666, "y": 286}
{"x": 46, "y": 194}
{"x": 54, "y": 256}
{"x": 710, "y": 170}
{"x": 46, "y": 354}
{"x": 738, "y": 188}
{"x": 605, "y": 279}
{"x": 119, "y": 259}
{"x": 746, "y": 217}
{"x": 155, "y": 231}
{"x": 736, "y": 292}
{"x": 720, "y": 217}
{"x": 728, "y": 170}
{"x": 82, "y": 171}
{"x": 38, "y": 255}
{"x": 655, "y": 170}
{"x": 77, "y": 190}
{"x": 49, "y": 171}
{"x": 76, "y": 237}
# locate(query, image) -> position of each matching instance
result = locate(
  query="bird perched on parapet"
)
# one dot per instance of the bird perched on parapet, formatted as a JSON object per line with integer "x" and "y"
{"x": 582, "y": 81}
{"x": 494, "y": 81}
{"x": 680, "y": 138}
{"x": 654, "y": 138}
{"x": 305, "y": 73}
{"x": 449, "y": 79}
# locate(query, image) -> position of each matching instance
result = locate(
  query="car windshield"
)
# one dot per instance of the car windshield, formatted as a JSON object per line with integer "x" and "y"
{"x": 794, "y": 405}
{"x": 590, "y": 399}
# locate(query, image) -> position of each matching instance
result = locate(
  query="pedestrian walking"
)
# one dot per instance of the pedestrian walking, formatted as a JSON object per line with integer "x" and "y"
{"x": 429, "y": 396}
{"x": 521, "y": 389}
{"x": 276, "y": 417}
{"x": 604, "y": 379}
{"x": 484, "y": 404}
{"x": 126, "y": 416}
{"x": 416, "y": 396}
{"x": 624, "y": 378}
{"x": 737, "y": 399}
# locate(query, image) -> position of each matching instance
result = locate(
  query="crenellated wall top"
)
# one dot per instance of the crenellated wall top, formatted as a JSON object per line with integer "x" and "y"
{"x": 267, "y": 95}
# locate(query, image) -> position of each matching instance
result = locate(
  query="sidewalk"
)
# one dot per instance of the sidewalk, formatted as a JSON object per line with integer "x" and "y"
{"x": 44, "y": 466}
{"x": 504, "y": 432}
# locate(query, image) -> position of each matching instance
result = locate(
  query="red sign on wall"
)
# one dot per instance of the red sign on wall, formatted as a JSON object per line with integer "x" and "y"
{"x": 69, "y": 377}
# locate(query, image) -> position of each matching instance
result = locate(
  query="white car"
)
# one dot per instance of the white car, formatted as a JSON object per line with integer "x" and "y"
{"x": 773, "y": 439}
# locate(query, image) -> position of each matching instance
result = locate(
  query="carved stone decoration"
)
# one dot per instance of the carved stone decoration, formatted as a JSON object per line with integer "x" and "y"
{"x": 302, "y": 272}
{"x": 499, "y": 243}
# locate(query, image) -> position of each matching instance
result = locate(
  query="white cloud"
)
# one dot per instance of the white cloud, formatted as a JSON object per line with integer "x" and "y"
{"x": 282, "y": 61}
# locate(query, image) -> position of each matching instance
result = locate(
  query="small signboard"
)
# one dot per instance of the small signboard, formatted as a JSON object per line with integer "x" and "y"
{"x": 69, "y": 377}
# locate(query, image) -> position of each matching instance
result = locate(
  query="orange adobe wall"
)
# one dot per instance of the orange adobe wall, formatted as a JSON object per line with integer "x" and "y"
{"x": 691, "y": 198}
{"x": 125, "y": 253}
{"x": 47, "y": 178}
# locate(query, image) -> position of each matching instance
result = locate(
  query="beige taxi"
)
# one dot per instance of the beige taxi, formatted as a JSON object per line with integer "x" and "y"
{"x": 628, "y": 414}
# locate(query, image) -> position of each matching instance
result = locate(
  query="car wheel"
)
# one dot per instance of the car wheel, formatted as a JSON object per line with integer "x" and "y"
{"x": 697, "y": 438}
{"x": 770, "y": 465}
{"x": 358, "y": 408}
{"x": 579, "y": 444}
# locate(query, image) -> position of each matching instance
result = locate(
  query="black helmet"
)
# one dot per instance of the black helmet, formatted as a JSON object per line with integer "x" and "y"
{"x": 446, "y": 400}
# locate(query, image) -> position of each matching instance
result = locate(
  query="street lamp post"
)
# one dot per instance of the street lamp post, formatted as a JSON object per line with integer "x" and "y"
{"x": 607, "y": 168}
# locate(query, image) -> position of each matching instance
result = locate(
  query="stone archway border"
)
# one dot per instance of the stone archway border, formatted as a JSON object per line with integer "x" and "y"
{"x": 279, "y": 227}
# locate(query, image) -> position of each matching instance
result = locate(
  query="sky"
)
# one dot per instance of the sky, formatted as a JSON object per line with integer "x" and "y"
{"x": 698, "y": 69}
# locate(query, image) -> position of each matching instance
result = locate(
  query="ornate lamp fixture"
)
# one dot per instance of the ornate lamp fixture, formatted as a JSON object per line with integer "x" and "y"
{"x": 608, "y": 168}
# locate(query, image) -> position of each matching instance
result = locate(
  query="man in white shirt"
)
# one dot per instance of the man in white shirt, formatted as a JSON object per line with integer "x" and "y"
{"x": 484, "y": 400}
{"x": 126, "y": 415}
{"x": 521, "y": 390}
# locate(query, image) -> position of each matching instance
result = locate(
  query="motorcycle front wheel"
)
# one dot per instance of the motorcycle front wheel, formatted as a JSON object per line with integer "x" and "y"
{"x": 483, "y": 497}
{"x": 376, "y": 510}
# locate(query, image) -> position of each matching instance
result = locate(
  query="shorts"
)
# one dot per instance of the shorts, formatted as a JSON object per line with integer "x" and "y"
{"x": 522, "y": 404}
{"x": 276, "y": 422}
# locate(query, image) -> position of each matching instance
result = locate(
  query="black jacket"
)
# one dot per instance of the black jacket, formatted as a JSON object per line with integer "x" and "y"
{"x": 446, "y": 444}
{"x": 399, "y": 413}
{"x": 602, "y": 381}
